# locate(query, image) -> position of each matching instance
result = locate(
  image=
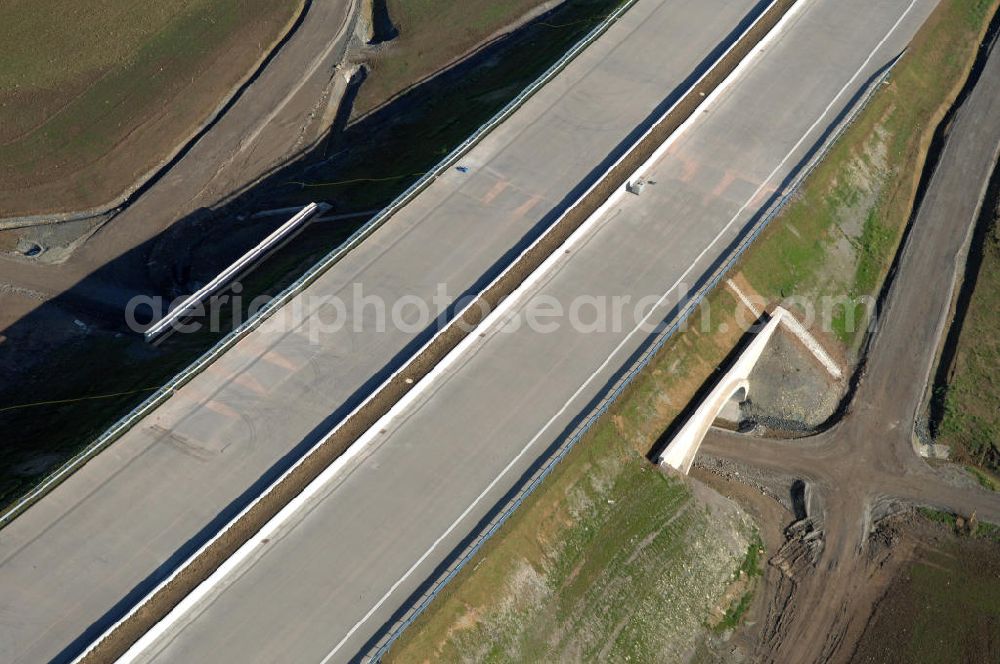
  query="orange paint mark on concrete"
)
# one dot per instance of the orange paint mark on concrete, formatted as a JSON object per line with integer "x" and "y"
{"x": 279, "y": 360}
{"x": 764, "y": 195}
{"x": 527, "y": 206}
{"x": 497, "y": 189}
{"x": 247, "y": 381}
{"x": 727, "y": 180}
{"x": 220, "y": 408}
{"x": 689, "y": 169}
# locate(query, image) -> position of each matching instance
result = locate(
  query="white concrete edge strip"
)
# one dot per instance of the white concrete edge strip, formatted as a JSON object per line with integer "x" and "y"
{"x": 743, "y": 298}
{"x": 223, "y": 277}
{"x": 775, "y": 32}
{"x": 793, "y": 325}
{"x": 361, "y": 444}
{"x": 142, "y": 410}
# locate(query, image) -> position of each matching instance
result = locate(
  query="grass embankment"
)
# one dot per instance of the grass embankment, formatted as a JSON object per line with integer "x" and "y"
{"x": 432, "y": 34}
{"x": 95, "y": 94}
{"x": 518, "y": 603}
{"x": 971, "y": 420}
{"x": 838, "y": 238}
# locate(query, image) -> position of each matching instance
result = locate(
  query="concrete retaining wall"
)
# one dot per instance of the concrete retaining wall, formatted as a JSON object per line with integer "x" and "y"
{"x": 683, "y": 447}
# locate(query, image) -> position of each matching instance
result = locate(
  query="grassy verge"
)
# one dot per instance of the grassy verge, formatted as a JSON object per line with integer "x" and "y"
{"x": 961, "y": 525}
{"x": 111, "y": 73}
{"x": 746, "y": 577}
{"x": 971, "y": 419}
{"x": 986, "y": 480}
{"x": 838, "y": 237}
{"x": 573, "y": 558}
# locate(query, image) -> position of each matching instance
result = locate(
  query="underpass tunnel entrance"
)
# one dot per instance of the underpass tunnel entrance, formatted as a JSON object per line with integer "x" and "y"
{"x": 731, "y": 411}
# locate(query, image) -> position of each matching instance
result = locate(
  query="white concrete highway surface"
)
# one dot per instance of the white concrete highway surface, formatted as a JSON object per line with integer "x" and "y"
{"x": 322, "y": 587}
{"x": 81, "y": 557}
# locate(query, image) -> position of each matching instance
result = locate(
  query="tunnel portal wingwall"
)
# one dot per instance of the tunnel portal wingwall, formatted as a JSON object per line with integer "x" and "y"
{"x": 683, "y": 447}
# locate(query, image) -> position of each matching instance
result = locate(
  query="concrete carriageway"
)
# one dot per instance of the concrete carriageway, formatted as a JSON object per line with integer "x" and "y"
{"x": 76, "y": 561}
{"x": 344, "y": 564}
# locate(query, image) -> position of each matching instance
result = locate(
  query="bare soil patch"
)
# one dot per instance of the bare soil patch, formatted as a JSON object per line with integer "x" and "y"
{"x": 942, "y": 605}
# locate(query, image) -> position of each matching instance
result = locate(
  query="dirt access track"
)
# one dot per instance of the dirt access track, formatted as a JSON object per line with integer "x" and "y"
{"x": 865, "y": 466}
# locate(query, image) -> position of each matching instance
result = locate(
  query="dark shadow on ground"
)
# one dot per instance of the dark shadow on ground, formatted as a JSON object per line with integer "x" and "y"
{"x": 383, "y": 29}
